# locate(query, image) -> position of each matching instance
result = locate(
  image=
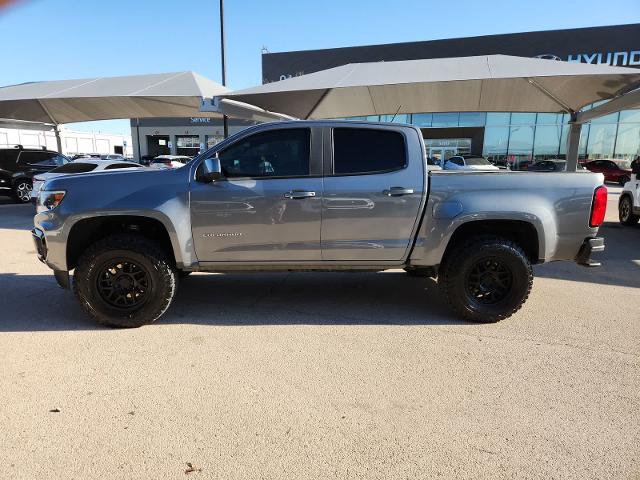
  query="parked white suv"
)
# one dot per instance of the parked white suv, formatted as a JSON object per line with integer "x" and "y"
{"x": 629, "y": 205}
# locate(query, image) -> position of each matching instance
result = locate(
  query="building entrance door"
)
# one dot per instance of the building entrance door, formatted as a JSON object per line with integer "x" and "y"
{"x": 158, "y": 145}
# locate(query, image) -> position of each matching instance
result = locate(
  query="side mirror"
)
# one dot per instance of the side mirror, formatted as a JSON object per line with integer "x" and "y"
{"x": 635, "y": 167}
{"x": 210, "y": 170}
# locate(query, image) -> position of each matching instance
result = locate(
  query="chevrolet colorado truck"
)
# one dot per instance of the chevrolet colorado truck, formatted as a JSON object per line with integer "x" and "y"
{"x": 313, "y": 195}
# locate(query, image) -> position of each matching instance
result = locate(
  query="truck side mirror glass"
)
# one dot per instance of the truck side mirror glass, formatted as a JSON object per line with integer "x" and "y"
{"x": 210, "y": 170}
{"x": 635, "y": 167}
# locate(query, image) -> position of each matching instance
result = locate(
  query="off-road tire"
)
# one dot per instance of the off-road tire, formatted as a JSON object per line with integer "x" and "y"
{"x": 126, "y": 249}
{"x": 625, "y": 212}
{"x": 22, "y": 190}
{"x": 454, "y": 277}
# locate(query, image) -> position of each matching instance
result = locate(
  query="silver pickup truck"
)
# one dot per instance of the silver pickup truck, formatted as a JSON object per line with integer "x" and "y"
{"x": 317, "y": 195}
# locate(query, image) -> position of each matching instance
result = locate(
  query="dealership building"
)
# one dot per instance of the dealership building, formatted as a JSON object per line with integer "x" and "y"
{"x": 501, "y": 136}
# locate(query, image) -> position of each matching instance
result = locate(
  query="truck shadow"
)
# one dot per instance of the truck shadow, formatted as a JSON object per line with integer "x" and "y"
{"x": 620, "y": 260}
{"x": 38, "y": 304}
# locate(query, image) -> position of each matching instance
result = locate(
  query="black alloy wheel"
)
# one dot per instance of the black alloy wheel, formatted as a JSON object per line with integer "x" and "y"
{"x": 22, "y": 191}
{"x": 124, "y": 284}
{"x": 489, "y": 281}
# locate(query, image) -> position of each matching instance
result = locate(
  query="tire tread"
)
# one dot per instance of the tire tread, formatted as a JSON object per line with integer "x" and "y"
{"x": 140, "y": 245}
{"x": 452, "y": 264}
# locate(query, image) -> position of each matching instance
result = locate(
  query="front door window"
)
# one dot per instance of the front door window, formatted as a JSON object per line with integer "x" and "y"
{"x": 268, "y": 205}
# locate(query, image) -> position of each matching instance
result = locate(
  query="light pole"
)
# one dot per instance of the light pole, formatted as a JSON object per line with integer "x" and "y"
{"x": 225, "y": 120}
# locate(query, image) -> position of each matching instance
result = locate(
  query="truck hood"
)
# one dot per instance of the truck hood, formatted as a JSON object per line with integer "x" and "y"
{"x": 121, "y": 192}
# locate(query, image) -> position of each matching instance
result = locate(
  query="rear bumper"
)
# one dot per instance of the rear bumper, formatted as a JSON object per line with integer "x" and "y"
{"x": 590, "y": 246}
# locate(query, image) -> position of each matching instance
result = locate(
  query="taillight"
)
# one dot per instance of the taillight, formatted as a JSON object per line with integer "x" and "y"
{"x": 599, "y": 206}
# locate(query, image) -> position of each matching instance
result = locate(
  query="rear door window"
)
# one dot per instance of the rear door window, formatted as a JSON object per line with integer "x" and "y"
{"x": 367, "y": 150}
{"x": 45, "y": 159}
{"x": 116, "y": 166}
{"x": 75, "y": 168}
{"x": 8, "y": 158}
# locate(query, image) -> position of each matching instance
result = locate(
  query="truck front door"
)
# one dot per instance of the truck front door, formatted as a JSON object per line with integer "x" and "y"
{"x": 268, "y": 205}
{"x": 374, "y": 186}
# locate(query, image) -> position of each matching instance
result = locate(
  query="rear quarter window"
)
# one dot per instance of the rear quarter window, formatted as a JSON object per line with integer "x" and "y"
{"x": 367, "y": 150}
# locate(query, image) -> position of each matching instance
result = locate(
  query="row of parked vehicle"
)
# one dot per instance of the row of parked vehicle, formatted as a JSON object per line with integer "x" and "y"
{"x": 617, "y": 171}
{"x": 24, "y": 170}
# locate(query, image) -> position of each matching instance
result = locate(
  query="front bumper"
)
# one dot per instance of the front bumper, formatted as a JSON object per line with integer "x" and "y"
{"x": 589, "y": 246}
{"x": 40, "y": 243}
{"x": 61, "y": 276}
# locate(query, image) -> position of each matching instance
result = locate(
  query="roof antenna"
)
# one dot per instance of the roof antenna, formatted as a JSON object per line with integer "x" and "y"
{"x": 394, "y": 115}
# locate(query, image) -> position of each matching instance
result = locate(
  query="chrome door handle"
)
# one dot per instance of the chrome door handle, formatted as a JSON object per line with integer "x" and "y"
{"x": 397, "y": 191}
{"x": 299, "y": 194}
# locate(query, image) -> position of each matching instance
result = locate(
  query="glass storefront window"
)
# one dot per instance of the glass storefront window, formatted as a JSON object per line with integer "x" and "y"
{"x": 611, "y": 118}
{"x": 601, "y": 141}
{"x": 519, "y": 118}
{"x": 445, "y": 120}
{"x": 399, "y": 118}
{"x": 422, "y": 119}
{"x": 549, "y": 118}
{"x": 498, "y": 118}
{"x": 628, "y": 141}
{"x": 584, "y": 136}
{"x": 520, "y": 146}
{"x": 630, "y": 116}
{"x": 496, "y": 141}
{"x": 547, "y": 141}
{"x": 472, "y": 119}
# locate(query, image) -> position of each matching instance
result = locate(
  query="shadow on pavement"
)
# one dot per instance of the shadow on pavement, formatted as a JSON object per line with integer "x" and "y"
{"x": 390, "y": 298}
{"x": 620, "y": 260}
{"x": 15, "y": 216}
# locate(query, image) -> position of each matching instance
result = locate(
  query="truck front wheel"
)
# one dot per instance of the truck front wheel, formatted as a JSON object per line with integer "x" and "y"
{"x": 125, "y": 280}
{"x": 486, "y": 278}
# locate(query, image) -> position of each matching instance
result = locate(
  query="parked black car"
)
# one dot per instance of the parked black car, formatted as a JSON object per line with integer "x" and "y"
{"x": 19, "y": 164}
{"x": 552, "y": 165}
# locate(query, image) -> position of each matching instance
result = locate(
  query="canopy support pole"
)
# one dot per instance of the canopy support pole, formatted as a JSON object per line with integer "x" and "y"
{"x": 56, "y": 130}
{"x": 573, "y": 143}
{"x": 225, "y": 119}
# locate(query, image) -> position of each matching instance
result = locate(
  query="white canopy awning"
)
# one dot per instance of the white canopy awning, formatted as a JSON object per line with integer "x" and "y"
{"x": 483, "y": 83}
{"x": 138, "y": 96}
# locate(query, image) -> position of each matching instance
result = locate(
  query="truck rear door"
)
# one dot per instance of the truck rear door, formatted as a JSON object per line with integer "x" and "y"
{"x": 373, "y": 192}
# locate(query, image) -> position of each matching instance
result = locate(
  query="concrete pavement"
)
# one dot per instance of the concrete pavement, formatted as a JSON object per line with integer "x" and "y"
{"x": 315, "y": 375}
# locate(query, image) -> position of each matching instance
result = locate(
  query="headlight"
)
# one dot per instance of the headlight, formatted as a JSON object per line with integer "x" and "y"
{"x": 48, "y": 200}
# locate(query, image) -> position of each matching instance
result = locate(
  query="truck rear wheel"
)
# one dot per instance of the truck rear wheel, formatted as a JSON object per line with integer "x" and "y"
{"x": 625, "y": 211}
{"x": 125, "y": 280}
{"x": 486, "y": 279}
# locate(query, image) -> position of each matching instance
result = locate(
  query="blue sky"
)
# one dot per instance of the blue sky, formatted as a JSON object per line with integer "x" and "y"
{"x": 57, "y": 39}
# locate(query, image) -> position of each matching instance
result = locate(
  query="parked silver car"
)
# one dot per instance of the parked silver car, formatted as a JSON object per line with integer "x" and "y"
{"x": 78, "y": 166}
